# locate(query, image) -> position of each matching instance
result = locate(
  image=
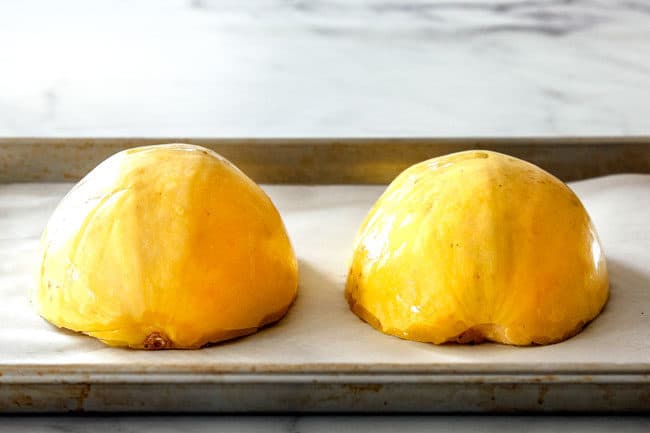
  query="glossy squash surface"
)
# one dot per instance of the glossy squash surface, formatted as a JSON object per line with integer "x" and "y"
{"x": 167, "y": 246}
{"x": 478, "y": 246}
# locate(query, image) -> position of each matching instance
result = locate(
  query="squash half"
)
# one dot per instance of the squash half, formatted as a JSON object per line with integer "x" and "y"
{"x": 167, "y": 246}
{"x": 478, "y": 246}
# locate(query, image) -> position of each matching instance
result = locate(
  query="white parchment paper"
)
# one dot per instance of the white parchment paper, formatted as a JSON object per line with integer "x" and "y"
{"x": 320, "y": 333}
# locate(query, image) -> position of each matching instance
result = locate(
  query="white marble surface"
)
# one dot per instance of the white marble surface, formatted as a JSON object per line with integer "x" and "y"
{"x": 324, "y": 67}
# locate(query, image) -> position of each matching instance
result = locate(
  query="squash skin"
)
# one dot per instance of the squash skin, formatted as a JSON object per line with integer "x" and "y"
{"x": 167, "y": 246}
{"x": 478, "y": 246}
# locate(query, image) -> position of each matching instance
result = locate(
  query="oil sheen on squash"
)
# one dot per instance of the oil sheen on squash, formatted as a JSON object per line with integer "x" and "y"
{"x": 167, "y": 246}
{"x": 478, "y": 246}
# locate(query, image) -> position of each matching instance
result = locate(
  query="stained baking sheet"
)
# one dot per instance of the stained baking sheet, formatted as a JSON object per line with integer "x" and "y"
{"x": 320, "y": 340}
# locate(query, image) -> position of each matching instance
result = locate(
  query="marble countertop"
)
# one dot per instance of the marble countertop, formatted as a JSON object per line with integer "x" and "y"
{"x": 324, "y": 68}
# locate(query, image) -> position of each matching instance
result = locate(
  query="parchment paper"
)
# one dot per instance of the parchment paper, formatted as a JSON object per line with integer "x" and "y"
{"x": 320, "y": 333}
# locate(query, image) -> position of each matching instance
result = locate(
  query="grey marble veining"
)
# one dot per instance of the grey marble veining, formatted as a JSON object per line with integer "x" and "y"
{"x": 325, "y": 68}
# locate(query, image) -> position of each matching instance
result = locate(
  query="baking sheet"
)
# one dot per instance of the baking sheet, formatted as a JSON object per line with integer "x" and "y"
{"x": 328, "y": 160}
{"x": 320, "y": 334}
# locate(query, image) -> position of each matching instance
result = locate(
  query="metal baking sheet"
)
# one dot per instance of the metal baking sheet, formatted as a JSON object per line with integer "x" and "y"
{"x": 329, "y": 160}
{"x": 321, "y": 357}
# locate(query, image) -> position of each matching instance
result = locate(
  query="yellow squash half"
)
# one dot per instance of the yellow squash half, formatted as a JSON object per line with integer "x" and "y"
{"x": 478, "y": 246}
{"x": 166, "y": 246}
